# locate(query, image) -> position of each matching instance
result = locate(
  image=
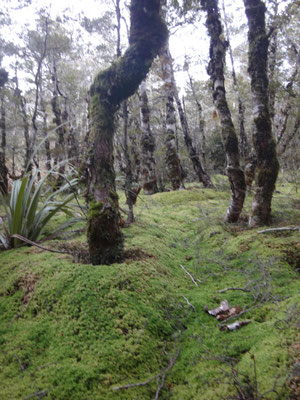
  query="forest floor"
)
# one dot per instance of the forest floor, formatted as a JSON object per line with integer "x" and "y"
{"x": 72, "y": 331}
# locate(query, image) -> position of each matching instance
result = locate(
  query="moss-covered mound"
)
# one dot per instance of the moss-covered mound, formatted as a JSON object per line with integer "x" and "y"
{"x": 76, "y": 331}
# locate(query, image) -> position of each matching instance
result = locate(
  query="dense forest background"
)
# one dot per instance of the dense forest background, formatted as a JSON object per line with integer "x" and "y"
{"x": 52, "y": 55}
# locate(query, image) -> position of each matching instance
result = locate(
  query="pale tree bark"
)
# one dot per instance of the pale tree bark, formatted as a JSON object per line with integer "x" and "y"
{"x": 148, "y": 168}
{"x": 3, "y": 167}
{"x": 244, "y": 147}
{"x": 264, "y": 144}
{"x": 45, "y": 131}
{"x": 110, "y": 88}
{"x": 216, "y": 71}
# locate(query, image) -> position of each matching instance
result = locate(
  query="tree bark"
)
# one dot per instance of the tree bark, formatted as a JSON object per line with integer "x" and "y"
{"x": 3, "y": 167}
{"x": 201, "y": 122}
{"x": 201, "y": 174}
{"x": 216, "y": 71}
{"x": 241, "y": 108}
{"x": 148, "y": 171}
{"x": 264, "y": 144}
{"x": 110, "y": 88}
{"x": 173, "y": 166}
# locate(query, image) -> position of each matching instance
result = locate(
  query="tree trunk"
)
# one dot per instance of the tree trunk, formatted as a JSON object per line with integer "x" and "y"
{"x": 216, "y": 71}
{"x": 201, "y": 122}
{"x": 45, "y": 132}
{"x": 241, "y": 108}
{"x": 110, "y": 88}
{"x": 172, "y": 160}
{"x": 201, "y": 174}
{"x": 264, "y": 144}
{"x": 3, "y": 167}
{"x": 149, "y": 180}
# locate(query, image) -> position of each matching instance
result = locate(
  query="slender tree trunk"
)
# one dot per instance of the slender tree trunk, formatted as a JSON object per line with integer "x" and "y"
{"x": 45, "y": 132}
{"x": 244, "y": 147}
{"x": 201, "y": 122}
{"x": 216, "y": 72}
{"x": 201, "y": 174}
{"x": 22, "y": 104}
{"x": 172, "y": 159}
{"x": 3, "y": 167}
{"x": 264, "y": 144}
{"x": 148, "y": 171}
{"x": 110, "y": 88}
{"x": 61, "y": 121}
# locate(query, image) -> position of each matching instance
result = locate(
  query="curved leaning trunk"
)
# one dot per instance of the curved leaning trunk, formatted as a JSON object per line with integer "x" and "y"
{"x": 264, "y": 144}
{"x": 149, "y": 180}
{"x": 110, "y": 88}
{"x": 216, "y": 71}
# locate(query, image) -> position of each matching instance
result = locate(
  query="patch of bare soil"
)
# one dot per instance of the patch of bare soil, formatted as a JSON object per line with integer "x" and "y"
{"x": 27, "y": 283}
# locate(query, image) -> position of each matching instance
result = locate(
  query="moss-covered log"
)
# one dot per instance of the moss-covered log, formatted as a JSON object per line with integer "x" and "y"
{"x": 147, "y": 35}
{"x": 216, "y": 71}
{"x": 264, "y": 144}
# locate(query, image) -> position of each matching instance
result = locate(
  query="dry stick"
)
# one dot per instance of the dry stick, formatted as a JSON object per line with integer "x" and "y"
{"x": 40, "y": 394}
{"x": 280, "y": 229}
{"x": 190, "y": 305}
{"x": 234, "y": 288}
{"x": 191, "y": 276}
{"x": 38, "y": 245}
{"x": 20, "y": 364}
{"x": 161, "y": 374}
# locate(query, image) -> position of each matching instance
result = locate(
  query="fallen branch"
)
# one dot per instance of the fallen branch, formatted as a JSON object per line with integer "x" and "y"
{"x": 233, "y": 288}
{"x": 190, "y": 305}
{"x": 297, "y": 228}
{"x": 38, "y": 245}
{"x": 157, "y": 377}
{"x": 190, "y": 275}
{"x": 40, "y": 395}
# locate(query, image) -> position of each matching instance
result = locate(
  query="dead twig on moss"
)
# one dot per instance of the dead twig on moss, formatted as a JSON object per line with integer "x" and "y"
{"x": 234, "y": 288}
{"x": 190, "y": 275}
{"x": 160, "y": 378}
{"x": 190, "y": 305}
{"x": 297, "y": 228}
{"x": 39, "y": 394}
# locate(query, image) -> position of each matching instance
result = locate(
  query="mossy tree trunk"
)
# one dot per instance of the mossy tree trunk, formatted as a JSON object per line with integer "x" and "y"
{"x": 147, "y": 35}
{"x": 216, "y": 71}
{"x": 264, "y": 144}
{"x": 148, "y": 169}
{"x": 173, "y": 166}
{"x": 3, "y": 167}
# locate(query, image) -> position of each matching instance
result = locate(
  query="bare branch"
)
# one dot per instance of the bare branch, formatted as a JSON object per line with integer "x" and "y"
{"x": 233, "y": 288}
{"x": 297, "y": 228}
{"x": 161, "y": 375}
{"x": 191, "y": 276}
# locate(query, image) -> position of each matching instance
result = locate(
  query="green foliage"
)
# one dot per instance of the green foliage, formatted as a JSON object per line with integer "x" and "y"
{"x": 26, "y": 213}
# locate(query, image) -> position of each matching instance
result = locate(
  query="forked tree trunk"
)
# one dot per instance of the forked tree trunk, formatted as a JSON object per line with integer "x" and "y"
{"x": 149, "y": 180}
{"x": 110, "y": 88}
{"x": 216, "y": 71}
{"x": 264, "y": 144}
